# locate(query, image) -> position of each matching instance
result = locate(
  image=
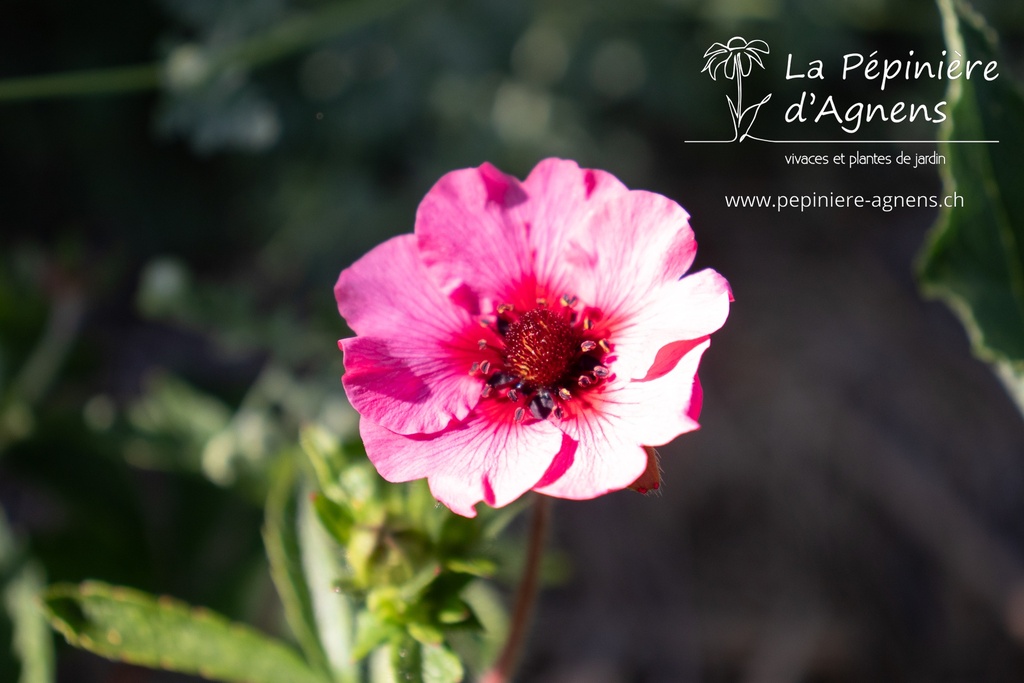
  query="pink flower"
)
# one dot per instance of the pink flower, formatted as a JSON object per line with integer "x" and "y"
{"x": 529, "y": 335}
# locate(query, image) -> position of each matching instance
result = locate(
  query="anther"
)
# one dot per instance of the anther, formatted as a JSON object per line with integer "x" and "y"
{"x": 601, "y": 371}
{"x": 585, "y": 381}
{"x": 542, "y": 302}
{"x": 604, "y": 346}
{"x": 486, "y": 391}
{"x": 482, "y": 344}
{"x": 474, "y": 367}
{"x": 588, "y": 346}
{"x": 564, "y": 393}
{"x": 513, "y": 395}
{"x": 558, "y": 412}
{"x": 567, "y": 300}
{"x": 542, "y": 404}
{"x": 520, "y": 414}
{"x": 505, "y": 308}
{"x": 485, "y": 367}
{"x": 588, "y": 324}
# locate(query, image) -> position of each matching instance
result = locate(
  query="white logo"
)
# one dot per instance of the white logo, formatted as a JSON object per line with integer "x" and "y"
{"x": 735, "y": 59}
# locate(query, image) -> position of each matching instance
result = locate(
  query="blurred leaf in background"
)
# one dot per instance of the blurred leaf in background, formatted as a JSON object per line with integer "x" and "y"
{"x": 974, "y": 259}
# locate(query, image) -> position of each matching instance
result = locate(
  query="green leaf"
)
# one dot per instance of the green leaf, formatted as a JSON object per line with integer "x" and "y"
{"x": 324, "y": 453}
{"x": 32, "y": 640}
{"x": 332, "y": 610}
{"x": 440, "y": 665}
{"x": 371, "y": 631}
{"x": 418, "y": 663}
{"x": 974, "y": 257}
{"x": 280, "y": 536}
{"x": 128, "y": 625}
{"x": 336, "y": 519}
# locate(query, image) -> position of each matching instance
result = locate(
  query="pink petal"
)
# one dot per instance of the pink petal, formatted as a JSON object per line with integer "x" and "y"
{"x": 607, "y": 459}
{"x": 690, "y": 308}
{"x": 562, "y": 197}
{"x": 471, "y": 237}
{"x": 489, "y": 457}
{"x": 409, "y": 367}
{"x": 627, "y": 248}
{"x": 630, "y": 415}
{"x": 481, "y": 229}
{"x": 654, "y": 411}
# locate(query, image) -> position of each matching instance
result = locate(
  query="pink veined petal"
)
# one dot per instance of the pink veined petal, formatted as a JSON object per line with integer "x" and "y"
{"x": 606, "y": 459}
{"x": 489, "y": 457}
{"x": 689, "y": 308}
{"x": 562, "y": 197}
{"x": 654, "y": 411}
{"x": 409, "y": 367}
{"x": 629, "y": 247}
{"x": 630, "y": 415}
{"x": 470, "y": 236}
{"x": 408, "y": 386}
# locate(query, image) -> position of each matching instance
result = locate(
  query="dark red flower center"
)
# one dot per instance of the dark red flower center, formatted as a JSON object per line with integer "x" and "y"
{"x": 541, "y": 347}
{"x": 547, "y": 357}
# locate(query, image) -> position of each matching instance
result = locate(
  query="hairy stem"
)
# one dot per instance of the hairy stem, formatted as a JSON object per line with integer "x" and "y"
{"x": 504, "y": 667}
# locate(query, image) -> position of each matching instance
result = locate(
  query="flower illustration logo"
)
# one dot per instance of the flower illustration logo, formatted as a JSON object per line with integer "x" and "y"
{"x": 736, "y": 59}
{"x": 535, "y": 334}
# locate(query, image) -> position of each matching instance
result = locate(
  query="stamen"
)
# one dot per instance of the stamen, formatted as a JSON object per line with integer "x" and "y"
{"x": 564, "y": 393}
{"x": 500, "y": 379}
{"x": 601, "y": 371}
{"x": 584, "y": 381}
{"x": 513, "y": 395}
{"x": 588, "y": 346}
{"x": 542, "y": 404}
{"x": 588, "y": 324}
{"x": 486, "y": 391}
{"x": 485, "y": 367}
{"x": 505, "y": 308}
{"x": 520, "y": 414}
{"x": 604, "y": 346}
{"x": 567, "y": 300}
{"x": 474, "y": 368}
{"x": 559, "y": 413}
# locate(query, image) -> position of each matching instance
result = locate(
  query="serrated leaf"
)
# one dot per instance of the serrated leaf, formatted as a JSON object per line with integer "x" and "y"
{"x": 974, "y": 257}
{"x": 131, "y": 626}
{"x": 280, "y": 536}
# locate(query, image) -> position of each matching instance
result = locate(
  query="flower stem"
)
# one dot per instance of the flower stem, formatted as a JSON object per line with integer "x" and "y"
{"x": 287, "y": 37}
{"x": 526, "y": 596}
